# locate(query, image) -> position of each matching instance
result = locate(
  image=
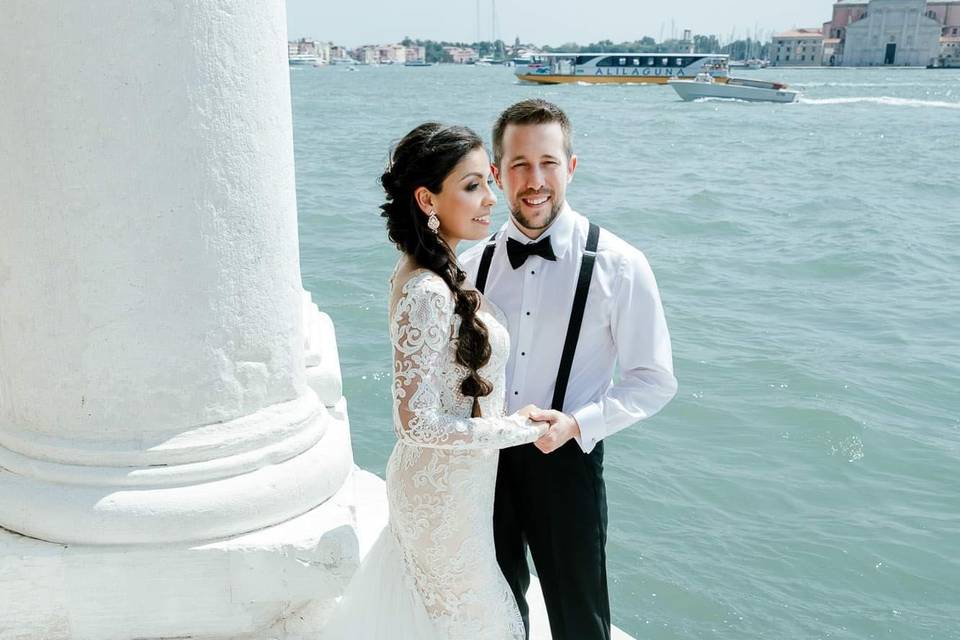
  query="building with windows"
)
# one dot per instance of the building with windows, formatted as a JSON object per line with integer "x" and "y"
{"x": 416, "y": 53}
{"x": 391, "y": 54}
{"x": 798, "y": 47}
{"x": 918, "y": 32}
{"x": 380, "y": 54}
{"x": 892, "y": 32}
{"x": 461, "y": 55}
{"x": 949, "y": 53}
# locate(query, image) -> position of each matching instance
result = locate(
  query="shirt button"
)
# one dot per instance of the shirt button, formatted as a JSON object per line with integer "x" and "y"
{"x": 528, "y": 313}
{"x": 523, "y": 353}
{"x": 533, "y": 272}
{"x": 516, "y": 393}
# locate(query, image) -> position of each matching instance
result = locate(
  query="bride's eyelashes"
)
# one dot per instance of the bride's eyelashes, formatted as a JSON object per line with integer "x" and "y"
{"x": 473, "y": 186}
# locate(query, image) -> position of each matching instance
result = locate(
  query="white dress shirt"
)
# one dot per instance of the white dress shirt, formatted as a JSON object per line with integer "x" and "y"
{"x": 623, "y": 327}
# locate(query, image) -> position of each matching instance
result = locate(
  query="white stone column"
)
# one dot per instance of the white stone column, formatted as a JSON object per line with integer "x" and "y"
{"x": 152, "y": 370}
{"x": 174, "y": 447}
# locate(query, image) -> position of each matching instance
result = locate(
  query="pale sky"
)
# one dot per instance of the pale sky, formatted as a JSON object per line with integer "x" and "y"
{"x": 356, "y": 22}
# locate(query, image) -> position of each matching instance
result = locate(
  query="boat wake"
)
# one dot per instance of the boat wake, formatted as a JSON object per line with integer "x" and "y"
{"x": 719, "y": 99}
{"x": 885, "y": 100}
{"x": 814, "y": 85}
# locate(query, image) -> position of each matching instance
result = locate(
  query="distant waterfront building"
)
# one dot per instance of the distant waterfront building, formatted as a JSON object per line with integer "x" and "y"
{"x": 947, "y": 14}
{"x": 949, "y": 52}
{"x": 831, "y": 51}
{"x": 368, "y": 54}
{"x": 893, "y": 32}
{"x": 416, "y": 53}
{"x": 391, "y": 54}
{"x": 798, "y": 47}
{"x": 380, "y": 54}
{"x": 907, "y": 25}
{"x": 461, "y": 55}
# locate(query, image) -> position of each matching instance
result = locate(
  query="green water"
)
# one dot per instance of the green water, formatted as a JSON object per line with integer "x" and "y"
{"x": 804, "y": 483}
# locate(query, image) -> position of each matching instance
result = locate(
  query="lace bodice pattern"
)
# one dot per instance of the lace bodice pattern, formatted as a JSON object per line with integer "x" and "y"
{"x": 442, "y": 473}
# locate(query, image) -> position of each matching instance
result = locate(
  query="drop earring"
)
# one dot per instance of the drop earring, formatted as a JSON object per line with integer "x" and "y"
{"x": 433, "y": 222}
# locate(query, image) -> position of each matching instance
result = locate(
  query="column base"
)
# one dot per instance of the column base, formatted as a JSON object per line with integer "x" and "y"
{"x": 269, "y": 583}
{"x": 223, "y": 495}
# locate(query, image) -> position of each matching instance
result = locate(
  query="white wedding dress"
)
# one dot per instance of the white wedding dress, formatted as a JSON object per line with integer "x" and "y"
{"x": 433, "y": 572}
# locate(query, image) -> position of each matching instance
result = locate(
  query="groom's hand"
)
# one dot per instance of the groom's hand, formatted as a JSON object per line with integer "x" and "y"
{"x": 562, "y": 429}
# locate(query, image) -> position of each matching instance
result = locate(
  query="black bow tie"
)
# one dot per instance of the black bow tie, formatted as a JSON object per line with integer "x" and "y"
{"x": 518, "y": 252}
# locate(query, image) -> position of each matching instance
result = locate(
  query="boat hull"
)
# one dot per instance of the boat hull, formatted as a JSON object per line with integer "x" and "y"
{"x": 571, "y": 79}
{"x": 691, "y": 90}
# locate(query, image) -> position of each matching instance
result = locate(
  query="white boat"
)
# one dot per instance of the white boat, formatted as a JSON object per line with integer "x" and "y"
{"x": 304, "y": 60}
{"x": 753, "y": 63}
{"x": 704, "y": 86}
{"x": 620, "y": 68}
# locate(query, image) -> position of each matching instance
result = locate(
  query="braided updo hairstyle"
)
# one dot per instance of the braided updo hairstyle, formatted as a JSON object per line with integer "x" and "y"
{"x": 424, "y": 158}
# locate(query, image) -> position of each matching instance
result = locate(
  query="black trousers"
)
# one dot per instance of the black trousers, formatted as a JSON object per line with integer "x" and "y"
{"x": 557, "y": 505}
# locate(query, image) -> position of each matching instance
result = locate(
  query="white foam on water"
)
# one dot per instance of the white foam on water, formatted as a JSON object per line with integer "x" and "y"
{"x": 719, "y": 99}
{"x": 884, "y": 100}
{"x": 809, "y": 85}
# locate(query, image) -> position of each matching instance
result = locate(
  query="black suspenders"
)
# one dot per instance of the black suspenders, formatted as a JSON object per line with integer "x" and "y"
{"x": 576, "y": 317}
{"x": 485, "y": 261}
{"x": 576, "y": 313}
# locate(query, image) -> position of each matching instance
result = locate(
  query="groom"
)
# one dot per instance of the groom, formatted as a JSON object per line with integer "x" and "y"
{"x": 578, "y": 301}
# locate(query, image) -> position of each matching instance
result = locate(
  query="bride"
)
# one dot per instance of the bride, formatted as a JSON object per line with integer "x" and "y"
{"x": 433, "y": 571}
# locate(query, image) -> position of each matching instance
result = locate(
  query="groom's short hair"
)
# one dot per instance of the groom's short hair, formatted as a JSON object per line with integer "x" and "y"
{"x": 531, "y": 111}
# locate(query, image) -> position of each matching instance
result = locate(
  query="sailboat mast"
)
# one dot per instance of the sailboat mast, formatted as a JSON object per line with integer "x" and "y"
{"x": 493, "y": 25}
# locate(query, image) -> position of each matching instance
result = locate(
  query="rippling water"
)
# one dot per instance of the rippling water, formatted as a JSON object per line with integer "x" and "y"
{"x": 805, "y": 482}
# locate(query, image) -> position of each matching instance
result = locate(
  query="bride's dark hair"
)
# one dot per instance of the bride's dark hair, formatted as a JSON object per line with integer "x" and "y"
{"x": 424, "y": 158}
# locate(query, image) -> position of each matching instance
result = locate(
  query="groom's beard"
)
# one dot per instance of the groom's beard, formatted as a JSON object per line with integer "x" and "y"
{"x": 526, "y": 223}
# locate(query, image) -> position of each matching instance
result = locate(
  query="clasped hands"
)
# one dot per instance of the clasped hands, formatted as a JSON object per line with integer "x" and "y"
{"x": 560, "y": 427}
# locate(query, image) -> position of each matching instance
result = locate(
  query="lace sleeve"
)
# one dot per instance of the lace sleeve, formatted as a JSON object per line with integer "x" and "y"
{"x": 420, "y": 330}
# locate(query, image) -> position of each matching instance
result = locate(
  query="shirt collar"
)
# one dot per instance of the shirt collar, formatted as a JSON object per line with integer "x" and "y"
{"x": 560, "y": 231}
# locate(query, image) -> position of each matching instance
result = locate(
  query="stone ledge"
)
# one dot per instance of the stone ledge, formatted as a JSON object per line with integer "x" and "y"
{"x": 278, "y": 583}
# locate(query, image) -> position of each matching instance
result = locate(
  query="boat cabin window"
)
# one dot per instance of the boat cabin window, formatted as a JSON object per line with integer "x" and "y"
{"x": 640, "y": 61}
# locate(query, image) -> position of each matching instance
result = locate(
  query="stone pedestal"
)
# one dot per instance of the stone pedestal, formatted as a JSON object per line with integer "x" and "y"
{"x": 266, "y": 584}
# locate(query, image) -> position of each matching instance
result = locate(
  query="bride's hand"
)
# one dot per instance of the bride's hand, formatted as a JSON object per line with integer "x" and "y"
{"x": 527, "y": 410}
{"x": 532, "y": 409}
